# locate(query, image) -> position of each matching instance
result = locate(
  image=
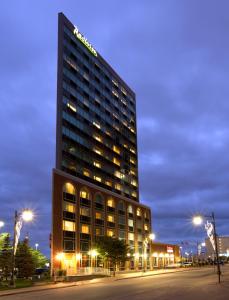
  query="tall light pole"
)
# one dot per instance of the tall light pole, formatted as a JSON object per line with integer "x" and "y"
{"x": 2, "y": 224}
{"x": 198, "y": 220}
{"x": 26, "y": 216}
{"x": 146, "y": 241}
{"x": 36, "y": 246}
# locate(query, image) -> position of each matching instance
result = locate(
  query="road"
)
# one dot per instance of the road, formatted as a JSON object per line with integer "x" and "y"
{"x": 198, "y": 284}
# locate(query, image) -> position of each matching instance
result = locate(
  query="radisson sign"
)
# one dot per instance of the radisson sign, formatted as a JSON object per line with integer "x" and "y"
{"x": 84, "y": 41}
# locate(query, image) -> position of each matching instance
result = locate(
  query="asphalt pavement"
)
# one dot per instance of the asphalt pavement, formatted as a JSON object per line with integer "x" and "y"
{"x": 197, "y": 284}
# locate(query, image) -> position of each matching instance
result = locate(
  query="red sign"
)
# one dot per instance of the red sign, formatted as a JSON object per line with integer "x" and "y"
{"x": 169, "y": 249}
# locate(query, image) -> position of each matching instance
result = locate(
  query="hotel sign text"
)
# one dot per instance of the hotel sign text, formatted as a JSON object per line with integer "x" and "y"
{"x": 84, "y": 41}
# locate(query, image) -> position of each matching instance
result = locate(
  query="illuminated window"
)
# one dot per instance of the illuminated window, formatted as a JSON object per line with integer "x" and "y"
{"x": 97, "y": 164}
{"x": 130, "y": 209}
{"x": 146, "y": 214}
{"x": 132, "y": 172}
{"x": 146, "y": 227}
{"x": 125, "y": 145}
{"x": 123, "y": 90}
{"x": 98, "y": 215}
{"x": 108, "y": 133}
{"x": 84, "y": 194}
{"x": 107, "y": 182}
{"x": 132, "y": 150}
{"x": 84, "y": 211}
{"x": 69, "y": 226}
{"x": 110, "y": 218}
{"x": 69, "y": 207}
{"x": 110, "y": 232}
{"x": 98, "y": 231}
{"x": 118, "y": 186}
{"x": 132, "y": 160}
{"x": 96, "y": 125}
{"x": 71, "y": 106}
{"x": 139, "y": 237}
{"x": 115, "y": 82}
{"x": 130, "y": 236}
{"x": 97, "y": 178}
{"x": 134, "y": 194}
{"x": 71, "y": 64}
{"x": 130, "y": 222}
{"x": 86, "y": 173}
{"x": 115, "y": 93}
{"x": 132, "y": 130}
{"x": 69, "y": 188}
{"x": 134, "y": 182}
{"x": 116, "y": 161}
{"x": 98, "y": 151}
{"x": 121, "y": 206}
{"x": 117, "y": 174}
{"x": 110, "y": 202}
{"x": 97, "y": 138}
{"x": 85, "y": 229}
{"x": 139, "y": 213}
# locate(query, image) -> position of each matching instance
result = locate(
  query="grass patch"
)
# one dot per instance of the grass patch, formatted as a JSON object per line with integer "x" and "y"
{"x": 19, "y": 283}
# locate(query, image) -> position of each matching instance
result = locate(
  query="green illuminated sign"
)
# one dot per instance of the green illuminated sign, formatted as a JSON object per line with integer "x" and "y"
{"x": 84, "y": 41}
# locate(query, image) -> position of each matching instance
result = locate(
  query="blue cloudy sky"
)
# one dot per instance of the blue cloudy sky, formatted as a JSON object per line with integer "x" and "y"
{"x": 175, "y": 56}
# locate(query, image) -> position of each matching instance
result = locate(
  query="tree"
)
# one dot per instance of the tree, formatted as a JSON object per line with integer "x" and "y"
{"x": 24, "y": 260}
{"x": 39, "y": 259}
{"x": 5, "y": 255}
{"x": 112, "y": 250}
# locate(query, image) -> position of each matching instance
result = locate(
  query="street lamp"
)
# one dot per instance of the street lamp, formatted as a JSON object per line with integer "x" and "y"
{"x": 198, "y": 220}
{"x": 26, "y": 215}
{"x": 36, "y": 246}
{"x": 146, "y": 241}
{"x": 2, "y": 224}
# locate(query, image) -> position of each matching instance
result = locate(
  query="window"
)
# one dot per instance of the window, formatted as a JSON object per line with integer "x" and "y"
{"x": 97, "y": 164}
{"x": 69, "y": 226}
{"x": 98, "y": 215}
{"x": 118, "y": 186}
{"x": 134, "y": 182}
{"x": 132, "y": 160}
{"x": 97, "y": 138}
{"x": 69, "y": 188}
{"x": 98, "y": 151}
{"x": 86, "y": 173}
{"x": 122, "y": 234}
{"x": 99, "y": 199}
{"x": 130, "y": 236}
{"x": 85, "y": 229}
{"x": 110, "y": 232}
{"x": 116, "y": 149}
{"x": 117, "y": 174}
{"x": 116, "y": 161}
{"x": 110, "y": 218}
{"x": 139, "y": 237}
{"x": 71, "y": 106}
{"x": 121, "y": 206}
{"x": 134, "y": 194}
{"x": 130, "y": 209}
{"x": 96, "y": 124}
{"x": 110, "y": 202}
{"x": 130, "y": 223}
{"x": 107, "y": 182}
{"x": 84, "y": 211}
{"x": 68, "y": 207}
{"x": 132, "y": 172}
{"x": 98, "y": 231}
{"x": 69, "y": 245}
{"x": 146, "y": 227}
{"x": 122, "y": 220}
{"x": 97, "y": 178}
{"x": 139, "y": 213}
{"x": 84, "y": 194}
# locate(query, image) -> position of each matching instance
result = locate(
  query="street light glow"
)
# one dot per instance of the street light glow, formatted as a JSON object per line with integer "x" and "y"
{"x": 60, "y": 256}
{"x": 94, "y": 253}
{"x": 27, "y": 215}
{"x": 152, "y": 236}
{"x": 1, "y": 224}
{"x": 197, "y": 220}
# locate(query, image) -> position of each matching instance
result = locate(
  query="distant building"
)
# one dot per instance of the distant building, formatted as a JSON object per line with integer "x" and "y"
{"x": 95, "y": 182}
{"x": 164, "y": 255}
{"x": 223, "y": 246}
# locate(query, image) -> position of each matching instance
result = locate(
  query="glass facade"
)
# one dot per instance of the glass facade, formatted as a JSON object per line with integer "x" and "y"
{"x": 96, "y": 118}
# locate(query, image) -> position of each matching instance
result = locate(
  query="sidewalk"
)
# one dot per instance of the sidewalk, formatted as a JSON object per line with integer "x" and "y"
{"x": 119, "y": 276}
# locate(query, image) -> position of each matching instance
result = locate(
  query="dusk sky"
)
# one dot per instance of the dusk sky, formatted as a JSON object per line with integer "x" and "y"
{"x": 174, "y": 54}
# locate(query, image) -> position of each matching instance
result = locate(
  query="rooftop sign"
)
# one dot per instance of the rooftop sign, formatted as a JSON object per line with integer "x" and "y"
{"x": 84, "y": 41}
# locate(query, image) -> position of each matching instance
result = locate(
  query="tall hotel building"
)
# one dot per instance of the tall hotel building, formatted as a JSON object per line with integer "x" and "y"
{"x": 95, "y": 182}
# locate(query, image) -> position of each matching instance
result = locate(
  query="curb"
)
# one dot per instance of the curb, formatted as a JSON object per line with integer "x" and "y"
{"x": 85, "y": 282}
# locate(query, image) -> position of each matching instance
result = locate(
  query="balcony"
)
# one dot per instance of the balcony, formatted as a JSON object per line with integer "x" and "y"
{"x": 68, "y": 215}
{"x": 99, "y": 206}
{"x": 69, "y": 197}
{"x": 85, "y": 202}
{"x": 111, "y": 224}
{"x": 99, "y": 222}
{"x": 121, "y": 212}
{"x": 85, "y": 236}
{"x": 110, "y": 209}
{"x": 85, "y": 219}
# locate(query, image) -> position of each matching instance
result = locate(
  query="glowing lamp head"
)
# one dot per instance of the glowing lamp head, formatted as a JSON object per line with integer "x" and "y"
{"x": 94, "y": 253}
{"x": 197, "y": 220}
{"x": 60, "y": 256}
{"x": 1, "y": 224}
{"x": 152, "y": 236}
{"x": 27, "y": 215}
